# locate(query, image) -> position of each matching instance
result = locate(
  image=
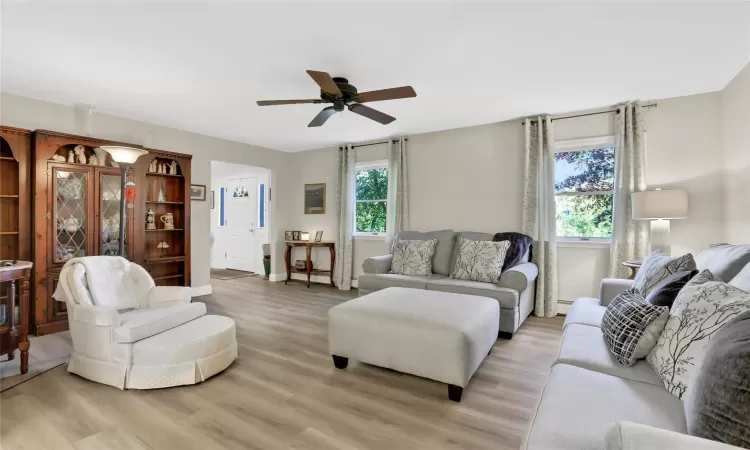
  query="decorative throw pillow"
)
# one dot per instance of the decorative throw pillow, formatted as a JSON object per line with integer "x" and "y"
{"x": 657, "y": 267}
{"x": 413, "y": 257}
{"x": 632, "y": 326}
{"x": 717, "y": 405}
{"x": 479, "y": 260}
{"x": 664, "y": 293}
{"x": 702, "y": 307}
{"x": 520, "y": 245}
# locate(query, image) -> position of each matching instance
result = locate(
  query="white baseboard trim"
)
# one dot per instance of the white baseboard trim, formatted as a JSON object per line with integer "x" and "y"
{"x": 276, "y": 277}
{"x": 196, "y": 291}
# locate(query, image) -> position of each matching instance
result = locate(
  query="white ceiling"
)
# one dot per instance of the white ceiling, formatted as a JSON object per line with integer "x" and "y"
{"x": 201, "y": 66}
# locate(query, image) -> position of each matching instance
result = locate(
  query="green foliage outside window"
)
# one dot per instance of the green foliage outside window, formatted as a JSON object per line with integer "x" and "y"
{"x": 371, "y": 184}
{"x": 587, "y": 171}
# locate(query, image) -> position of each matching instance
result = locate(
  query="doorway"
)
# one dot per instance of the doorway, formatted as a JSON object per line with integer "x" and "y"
{"x": 239, "y": 216}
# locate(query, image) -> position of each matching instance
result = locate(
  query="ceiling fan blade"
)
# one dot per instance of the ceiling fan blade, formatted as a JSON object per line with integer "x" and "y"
{"x": 287, "y": 102}
{"x": 322, "y": 116}
{"x": 386, "y": 94}
{"x": 370, "y": 113}
{"x": 325, "y": 82}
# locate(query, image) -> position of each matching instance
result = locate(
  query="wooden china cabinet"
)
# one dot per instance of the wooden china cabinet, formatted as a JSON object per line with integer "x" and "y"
{"x": 77, "y": 213}
{"x": 15, "y": 232}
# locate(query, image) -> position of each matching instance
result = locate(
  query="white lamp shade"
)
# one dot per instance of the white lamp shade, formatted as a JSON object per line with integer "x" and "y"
{"x": 649, "y": 205}
{"x": 126, "y": 155}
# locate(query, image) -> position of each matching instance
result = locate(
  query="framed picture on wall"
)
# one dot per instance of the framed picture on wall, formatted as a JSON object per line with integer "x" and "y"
{"x": 315, "y": 198}
{"x": 198, "y": 192}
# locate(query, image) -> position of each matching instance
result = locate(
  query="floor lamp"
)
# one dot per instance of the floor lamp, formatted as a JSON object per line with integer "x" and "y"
{"x": 660, "y": 207}
{"x": 124, "y": 157}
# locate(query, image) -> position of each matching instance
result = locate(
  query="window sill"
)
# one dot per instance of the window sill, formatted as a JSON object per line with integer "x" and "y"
{"x": 369, "y": 237}
{"x": 571, "y": 243}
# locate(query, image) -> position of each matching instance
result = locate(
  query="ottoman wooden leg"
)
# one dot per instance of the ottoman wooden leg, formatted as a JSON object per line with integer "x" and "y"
{"x": 454, "y": 392}
{"x": 340, "y": 362}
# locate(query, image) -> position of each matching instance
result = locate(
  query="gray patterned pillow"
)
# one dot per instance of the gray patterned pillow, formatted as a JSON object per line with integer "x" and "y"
{"x": 413, "y": 257}
{"x": 632, "y": 326}
{"x": 657, "y": 267}
{"x": 479, "y": 260}
{"x": 701, "y": 309}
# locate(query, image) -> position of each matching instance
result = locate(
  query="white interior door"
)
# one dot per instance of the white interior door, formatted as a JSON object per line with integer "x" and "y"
{"x": 239, "y": 208}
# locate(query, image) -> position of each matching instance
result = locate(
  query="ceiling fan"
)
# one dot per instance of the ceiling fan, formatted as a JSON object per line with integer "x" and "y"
{"x": 343, "y": 95}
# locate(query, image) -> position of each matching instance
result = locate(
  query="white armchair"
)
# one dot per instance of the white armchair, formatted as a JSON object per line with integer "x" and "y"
{"x": 115, "y": 321}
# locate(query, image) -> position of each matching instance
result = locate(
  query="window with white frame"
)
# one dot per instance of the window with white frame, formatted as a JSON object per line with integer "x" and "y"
{"x": 371, "y": 197}
{"x": 584, "y": 183}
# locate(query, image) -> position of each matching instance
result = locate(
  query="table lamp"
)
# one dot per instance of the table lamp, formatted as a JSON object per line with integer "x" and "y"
{"x": 660, "y": 206}
{"x": 124, "y": 157}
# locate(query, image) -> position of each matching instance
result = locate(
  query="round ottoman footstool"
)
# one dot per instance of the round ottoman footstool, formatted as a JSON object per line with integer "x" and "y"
{"x": 187, "y": 354}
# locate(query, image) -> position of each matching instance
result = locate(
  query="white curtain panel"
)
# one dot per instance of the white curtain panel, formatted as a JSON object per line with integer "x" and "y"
{"x": 345, "y": 215}
{"x": 538, "y": 219}
{"x": 398, "y": 191}
{"x": 630, "y": 238}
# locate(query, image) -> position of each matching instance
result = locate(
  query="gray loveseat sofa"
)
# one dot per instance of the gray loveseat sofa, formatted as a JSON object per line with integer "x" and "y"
{"x": 591, "y": 401}
{"x": 514, "y": 291}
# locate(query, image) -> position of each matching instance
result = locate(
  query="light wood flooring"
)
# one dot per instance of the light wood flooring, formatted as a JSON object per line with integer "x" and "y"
{"x": 284, "y": 393}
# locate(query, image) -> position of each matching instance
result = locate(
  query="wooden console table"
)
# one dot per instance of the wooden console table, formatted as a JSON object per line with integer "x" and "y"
{"x": 309, "y": 271}
{"x": 15, "y": 335}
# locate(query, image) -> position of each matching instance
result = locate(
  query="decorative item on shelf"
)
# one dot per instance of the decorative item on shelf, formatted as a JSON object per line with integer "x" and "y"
{"x": 289, "y": 235}
{"x": 58, "y": 158}
{"x": 93, "y": 160}
{"x": 318, "y": 235}
{"x": 101, "y": 156}
{"x": 198, "y": 192}
{"x": 295, "y": 235}
{"x": 71, "y": 225}
{"x": 162, "y": 245}
{"x": 152, "y": 166}
{"x": 315, "y": 198}
{"x": 71, "y": 157}
{"x": 150, "y": 220}
{"x": 80, "y": 152}
{"x": 162, "y": 197}
{"x": 173, "y": 168}
{"x": 301, "y": 264}
{"x": 168, "y": 221}
{"x": 114, "y": 164}
{"x": 304, "y": 236}
{"x": 130, "y": 193}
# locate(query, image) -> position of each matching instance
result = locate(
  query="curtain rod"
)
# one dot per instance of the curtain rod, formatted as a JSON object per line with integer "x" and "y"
{"x": 375, "y": 143}
{"x": 615, "y": 110}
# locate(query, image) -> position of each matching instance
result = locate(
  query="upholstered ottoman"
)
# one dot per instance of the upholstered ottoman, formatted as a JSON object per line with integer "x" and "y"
{"x": 187, "y": 354}
{"x": 438, "y": 335}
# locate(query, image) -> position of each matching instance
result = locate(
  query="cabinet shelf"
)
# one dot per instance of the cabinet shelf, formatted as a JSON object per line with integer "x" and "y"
{"x": 7, "y": 158}
{"x": 151, "y": 174}
{"x": 2, "y": 233}
{"x": 164, "y": 259}
{"x": 165, "y": 229}
{"x": 164, "y": 203}
{"x": 167, "y": 277}
{"x": 8, "y": 196}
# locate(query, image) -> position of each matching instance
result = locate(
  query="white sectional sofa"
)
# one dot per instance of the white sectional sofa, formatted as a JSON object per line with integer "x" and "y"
{"x": 591, "y": 401}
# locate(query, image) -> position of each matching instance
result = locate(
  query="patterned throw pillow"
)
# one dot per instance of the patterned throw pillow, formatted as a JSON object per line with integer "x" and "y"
{"x": 657, "y": 267}
{"x": 703, "y": 306}
{"x": 632, "y": 326}
{"x": 479, "y": 260}
{"x": 413, "y": 257}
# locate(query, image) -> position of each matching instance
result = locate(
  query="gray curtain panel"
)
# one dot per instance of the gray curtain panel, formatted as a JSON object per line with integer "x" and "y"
{"x": 398, "y": 191}
{"x": 630, "y": 238}
{"x": 345, "y": 215}
{"x": 539, "y": 210}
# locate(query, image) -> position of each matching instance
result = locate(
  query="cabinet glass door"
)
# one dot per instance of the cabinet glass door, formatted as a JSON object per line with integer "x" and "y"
{"x": 70, "y": 189}
{"x": 110, "y": 190}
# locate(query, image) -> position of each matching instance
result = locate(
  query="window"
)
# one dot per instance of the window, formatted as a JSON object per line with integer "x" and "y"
{"x": 262, "y": 205}
{"x": 371, "y": 194}
{"x": 222, "y": 217}
{"x": 584, "y": 179}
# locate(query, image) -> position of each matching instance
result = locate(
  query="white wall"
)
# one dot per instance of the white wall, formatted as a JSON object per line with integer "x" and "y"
{"x": 221, "y": 173}
{"x": 735, "y": 103}
{"x": 34, "y": 114}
